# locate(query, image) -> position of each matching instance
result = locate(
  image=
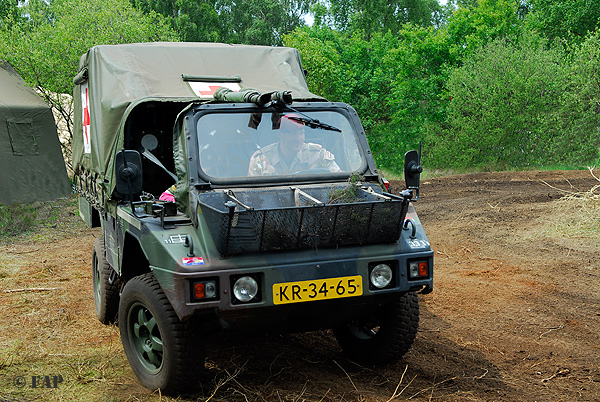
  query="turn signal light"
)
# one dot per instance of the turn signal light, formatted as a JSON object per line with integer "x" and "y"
{"x": 423, "y": 271}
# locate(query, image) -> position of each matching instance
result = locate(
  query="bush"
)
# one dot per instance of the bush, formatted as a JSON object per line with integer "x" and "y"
{"x": 515, "y": 106}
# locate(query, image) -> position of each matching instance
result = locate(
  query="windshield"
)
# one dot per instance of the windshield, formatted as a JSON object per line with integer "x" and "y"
{"x": 240, "y": 145}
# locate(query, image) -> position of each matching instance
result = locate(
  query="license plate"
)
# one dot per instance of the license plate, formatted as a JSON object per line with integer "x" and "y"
{"x": 317, "y": 289}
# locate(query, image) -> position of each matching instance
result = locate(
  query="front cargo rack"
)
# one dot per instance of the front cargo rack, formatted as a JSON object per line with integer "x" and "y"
{"x": 251, "y": 221}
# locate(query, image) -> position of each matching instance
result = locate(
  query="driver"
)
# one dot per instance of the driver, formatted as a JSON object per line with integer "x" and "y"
{"x": 291, "y": 154}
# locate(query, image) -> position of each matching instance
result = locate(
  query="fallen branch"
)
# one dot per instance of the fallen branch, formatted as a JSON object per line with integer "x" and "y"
{"x": 347, "y": 375}
{"x": 558, "y": 189}
{"x": 396, "y": 394}
{"x": 433, "y": 387}
{"x": 22, "y": 252}
{"x": 29, "y": 290}
{"x": 562, "y": 372}
{"x": 552, "y": 329}
{"x": 591, "y": 169}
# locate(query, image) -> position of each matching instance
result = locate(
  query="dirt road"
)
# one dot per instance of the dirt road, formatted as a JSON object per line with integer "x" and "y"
{"x": 514, "y": 316}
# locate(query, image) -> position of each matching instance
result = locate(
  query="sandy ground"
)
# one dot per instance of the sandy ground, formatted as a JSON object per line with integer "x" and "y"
{"x": 514, "y": 316}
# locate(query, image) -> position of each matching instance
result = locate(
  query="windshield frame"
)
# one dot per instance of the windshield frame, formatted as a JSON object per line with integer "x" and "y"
{"x": 307, "y": 108}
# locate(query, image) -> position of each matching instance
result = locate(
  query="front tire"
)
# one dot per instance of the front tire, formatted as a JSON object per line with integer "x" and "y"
{"x": 163, "y": 352}
{"x": 384, "y": 335}
{"x": 106, "y": 294}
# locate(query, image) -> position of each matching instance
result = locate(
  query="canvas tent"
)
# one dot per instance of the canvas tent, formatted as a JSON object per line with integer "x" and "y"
{"x": 31, "y": 161}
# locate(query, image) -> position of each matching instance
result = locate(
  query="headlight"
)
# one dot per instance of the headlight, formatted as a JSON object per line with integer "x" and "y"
{"x": 381, "y": 276}
{"x": 245, "y": 289}
{"x": 418, "y": 269}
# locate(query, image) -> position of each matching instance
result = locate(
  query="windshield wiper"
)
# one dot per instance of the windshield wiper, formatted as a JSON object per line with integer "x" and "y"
{"x": 313, "y": 123}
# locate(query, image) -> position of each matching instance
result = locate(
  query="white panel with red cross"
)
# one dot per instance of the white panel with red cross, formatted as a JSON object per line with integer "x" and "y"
{"x": 206, "y": 90}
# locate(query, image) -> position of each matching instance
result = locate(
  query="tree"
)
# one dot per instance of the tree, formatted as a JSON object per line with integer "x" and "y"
{"x": 571, "y": 19}
{"x": 259, "y": 22}
{"x": 472, "y": 27}
{"x": 418, "y": 98}
{"x": 508, "y": 110}
{"x": 370, "y": 16}
{"x": 46, "y": 48}
{"x": 320, "y": 50}
{"x": 9, "y": 13}
{"x": 395, "y": 82}
{"x": 193, "y": 20}
{"x": 250, "y": 21}
{"x": 579, "y": 114}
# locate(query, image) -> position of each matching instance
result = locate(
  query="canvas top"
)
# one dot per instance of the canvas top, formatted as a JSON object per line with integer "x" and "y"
{"x": 114, "y": 79}
{"x": 130, "y": 72}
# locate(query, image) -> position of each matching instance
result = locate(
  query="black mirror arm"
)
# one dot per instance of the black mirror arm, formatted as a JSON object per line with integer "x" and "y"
{"x": 415, "y": 168}
{"x": 412, "y": 172}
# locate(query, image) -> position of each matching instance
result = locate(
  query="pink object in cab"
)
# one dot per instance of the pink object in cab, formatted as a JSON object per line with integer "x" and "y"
{"x": 167, "y": 196}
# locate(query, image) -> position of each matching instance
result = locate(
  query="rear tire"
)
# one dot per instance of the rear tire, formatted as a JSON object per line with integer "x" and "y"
{"x": 164, "y": 352}
{"x": 106, "y": 294}
{"x": 384, "y": 335}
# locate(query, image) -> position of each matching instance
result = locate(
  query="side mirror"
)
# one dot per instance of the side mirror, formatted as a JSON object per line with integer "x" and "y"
{"x": 412, "y": 171}
{"x": 129, "y": 172}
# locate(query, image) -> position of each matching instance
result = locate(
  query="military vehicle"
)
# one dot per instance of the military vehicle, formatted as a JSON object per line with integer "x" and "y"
{"x": 276, "y": 218}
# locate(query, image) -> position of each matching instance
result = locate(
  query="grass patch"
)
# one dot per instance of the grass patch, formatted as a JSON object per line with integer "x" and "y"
{"x": 577, "y": 214}
{"x": 37, "y": 219}
{"x": 429, "y": 173}
{"x": 17, "y": 218}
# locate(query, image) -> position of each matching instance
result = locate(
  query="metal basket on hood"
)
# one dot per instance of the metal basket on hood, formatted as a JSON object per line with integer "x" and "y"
{"x": 253, "y": 221}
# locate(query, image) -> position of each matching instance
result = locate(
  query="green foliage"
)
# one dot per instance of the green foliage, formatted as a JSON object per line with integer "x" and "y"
{"x": 395, "y": 82}
{"x": 9, "y": 13}
{"x": 579, "y": 114}
{"x": 374, "y": 16}
{"x": 572, "y": 19}
{"x": 347, "y": 194}
{"x": 320, "y": 50}
{"x": 418, "y": 98}
{"x": 469, "y": 79}
{"x": 46, "y": 46}
{"x": 46, "y": 49}
{"x": 509, "y": 109}
{"x": 259, "y": 22}
{"x": 251, "y": 21}
{"x": 472, "y": 27}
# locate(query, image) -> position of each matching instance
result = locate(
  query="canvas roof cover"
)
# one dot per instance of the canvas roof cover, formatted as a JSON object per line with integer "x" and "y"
{"x": 32, "y": 167}
{"x": 114, "y": 78}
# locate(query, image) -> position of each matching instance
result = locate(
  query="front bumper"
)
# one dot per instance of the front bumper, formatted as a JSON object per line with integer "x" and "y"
{"x": 299, "y": 269}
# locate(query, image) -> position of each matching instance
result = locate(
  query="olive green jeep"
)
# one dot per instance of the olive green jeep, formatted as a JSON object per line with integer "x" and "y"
{"x": 232, "y": 198}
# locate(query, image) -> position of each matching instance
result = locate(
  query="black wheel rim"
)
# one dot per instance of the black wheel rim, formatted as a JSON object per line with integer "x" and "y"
{"x": 363, "y": 329}
{"x": 145, "y": 338}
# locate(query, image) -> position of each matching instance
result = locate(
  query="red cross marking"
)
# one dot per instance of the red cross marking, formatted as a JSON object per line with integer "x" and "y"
{"x": 211, "y": 91}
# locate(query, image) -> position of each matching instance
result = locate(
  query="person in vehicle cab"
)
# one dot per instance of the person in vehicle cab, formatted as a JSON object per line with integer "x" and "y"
{"x": 291, "y": 154}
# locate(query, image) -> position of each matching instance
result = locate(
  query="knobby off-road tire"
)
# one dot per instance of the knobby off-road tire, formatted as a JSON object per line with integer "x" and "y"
{"x": 163, "y": 351}
{"x": 106, "y": 295}
{"x": 383, "y": 336}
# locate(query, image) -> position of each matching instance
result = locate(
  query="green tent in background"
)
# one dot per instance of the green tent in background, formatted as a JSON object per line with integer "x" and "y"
{"x": 32, "y": 167}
